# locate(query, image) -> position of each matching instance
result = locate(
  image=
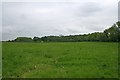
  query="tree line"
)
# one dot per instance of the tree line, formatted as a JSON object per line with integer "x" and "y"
{"x": 111, "y": 34}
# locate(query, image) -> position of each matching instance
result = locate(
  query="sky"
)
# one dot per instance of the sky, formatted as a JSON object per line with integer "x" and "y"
{"x": 56, "y": 17}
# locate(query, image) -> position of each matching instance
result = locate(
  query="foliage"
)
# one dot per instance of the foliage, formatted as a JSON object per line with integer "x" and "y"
{"x": 37, "y": 39}
{"x": 23, "y": 39}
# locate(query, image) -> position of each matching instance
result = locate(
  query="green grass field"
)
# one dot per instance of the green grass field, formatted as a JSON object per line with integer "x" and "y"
{"x": 0, "y": 60}
{"x": 60, "y": 60}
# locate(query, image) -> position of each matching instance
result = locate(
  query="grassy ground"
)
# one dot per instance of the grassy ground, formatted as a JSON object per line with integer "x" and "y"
{"x": 0, "y": 60}
{"x": 60, "y": 60}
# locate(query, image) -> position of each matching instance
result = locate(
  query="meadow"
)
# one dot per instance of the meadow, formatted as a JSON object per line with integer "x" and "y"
{"x": 60, "y": 60}
{"x": 0, "y": 60}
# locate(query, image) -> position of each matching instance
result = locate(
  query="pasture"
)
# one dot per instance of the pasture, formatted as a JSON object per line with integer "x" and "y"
{"x": 60, "y": 60}
{"x": 0, "y": 60}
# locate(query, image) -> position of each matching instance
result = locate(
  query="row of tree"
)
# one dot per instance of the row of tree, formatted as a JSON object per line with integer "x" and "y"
{"x": 111, "y": 34}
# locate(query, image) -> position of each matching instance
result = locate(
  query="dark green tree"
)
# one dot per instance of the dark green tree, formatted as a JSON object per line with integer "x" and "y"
{"x": 23, "y": 39}
{"x": 37, "y": 39}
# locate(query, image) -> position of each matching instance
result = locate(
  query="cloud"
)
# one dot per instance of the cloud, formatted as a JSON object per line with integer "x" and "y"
{"x": 0, "y": 21}
{"x": 89, "y": 8}
{"x": 55, "y": 18}
{"x": 119, "y": 11}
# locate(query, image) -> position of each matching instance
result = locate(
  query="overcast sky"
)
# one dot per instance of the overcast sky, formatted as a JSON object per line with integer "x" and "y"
{"x": 57, "y": 17}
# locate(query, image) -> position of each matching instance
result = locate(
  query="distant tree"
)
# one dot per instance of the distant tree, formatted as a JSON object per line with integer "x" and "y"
{"x": 9, "y": 41}
{"x": 102, "y": 37}
{"x": 23, "y": 39}
{"x": 37, "y": 39}
{"x": 44, "y": 38}
{"x": 118, "y": 25}
{"x": 112, "y": 33}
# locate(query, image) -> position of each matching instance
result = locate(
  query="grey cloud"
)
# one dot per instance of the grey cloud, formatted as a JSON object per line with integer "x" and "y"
{"x": 119, "y": 10}
{"x": 41, "y": 19}
{"x": 0, "y": 21}
{"x": 89, "y": 8}
{"x": 74, "y": 31}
